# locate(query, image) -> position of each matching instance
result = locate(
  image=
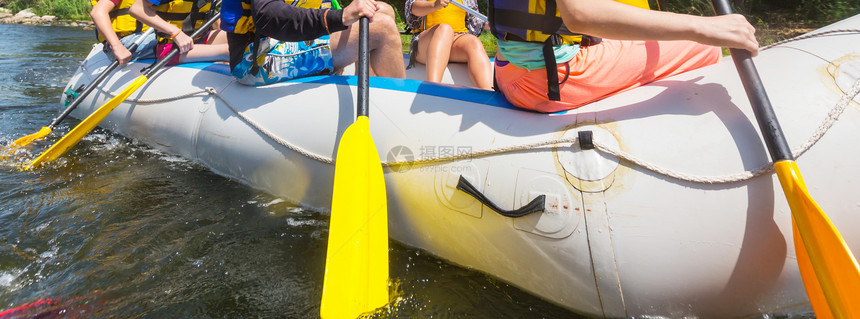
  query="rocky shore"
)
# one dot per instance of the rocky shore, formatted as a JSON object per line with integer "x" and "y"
{"x": 27, "y": 16}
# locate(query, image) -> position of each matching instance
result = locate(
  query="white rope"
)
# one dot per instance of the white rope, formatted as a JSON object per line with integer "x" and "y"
{"x": 831, "y": 118}
{"x": 487, "y": 152}
{"x": 810, "y": 35}
{"x": 833, "y": 115}
{"x": 278, "y": 139}
{"x": 722, "y": 179}
{"x": 828, "y": 122}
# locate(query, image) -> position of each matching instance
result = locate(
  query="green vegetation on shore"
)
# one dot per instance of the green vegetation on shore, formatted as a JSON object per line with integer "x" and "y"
{"x": 774, "y": 20}
{"x": 62, "y": 9}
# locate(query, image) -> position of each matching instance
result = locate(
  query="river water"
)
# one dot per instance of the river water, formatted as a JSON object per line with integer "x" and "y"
{"x": 118, "y": 229}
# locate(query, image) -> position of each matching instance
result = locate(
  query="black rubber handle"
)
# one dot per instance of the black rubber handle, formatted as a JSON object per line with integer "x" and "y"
{"x": 536, "y": 205}
{"x": 363, "y": 68}
{"x": 767, "y": 121}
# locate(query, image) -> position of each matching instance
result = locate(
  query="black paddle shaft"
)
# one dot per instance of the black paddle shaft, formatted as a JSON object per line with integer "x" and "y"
{"x": 173, "y": 52}
{"x": 90, "y": 88}
{"x": 363, "y": 68}
{"x": 767, "y": 121}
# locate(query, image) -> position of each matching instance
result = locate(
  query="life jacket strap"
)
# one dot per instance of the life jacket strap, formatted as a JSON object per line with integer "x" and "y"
{"x": 552, "y": 92}
{"x": 255, "y": 68}
{"x": 171, "y": 16}
{"x": 115, "y": 13}
{"x": 190, "y": 20}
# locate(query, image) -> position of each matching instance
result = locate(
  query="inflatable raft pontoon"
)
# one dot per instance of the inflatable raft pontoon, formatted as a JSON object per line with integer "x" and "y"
{"x": 671, "y": 210}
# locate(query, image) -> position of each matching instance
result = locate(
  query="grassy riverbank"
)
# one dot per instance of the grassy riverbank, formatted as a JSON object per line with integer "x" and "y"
{"x": 62, "y": 9}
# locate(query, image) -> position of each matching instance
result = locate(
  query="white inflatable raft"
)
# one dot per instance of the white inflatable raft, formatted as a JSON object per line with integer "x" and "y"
{"x": 674, "y": 214}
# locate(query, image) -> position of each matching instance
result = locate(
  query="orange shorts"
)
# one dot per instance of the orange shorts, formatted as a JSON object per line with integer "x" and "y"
{"x": 600, "y": 70}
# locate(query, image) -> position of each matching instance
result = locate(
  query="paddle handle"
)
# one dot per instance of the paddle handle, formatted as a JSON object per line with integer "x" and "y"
{"x": 148, "y": 72}
{"x": 767, "y": 121}
{"x": 363, "y": 71}
{"x": 99, "y": 79}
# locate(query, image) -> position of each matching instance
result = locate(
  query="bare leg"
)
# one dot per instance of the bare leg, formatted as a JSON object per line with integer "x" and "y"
{"x": 215, "y": 49}
{"x": 217, "y": 37}
{"x": 434, "y": 50}
{"x": 468, "y": 48}
{"x": 386, "y": 55}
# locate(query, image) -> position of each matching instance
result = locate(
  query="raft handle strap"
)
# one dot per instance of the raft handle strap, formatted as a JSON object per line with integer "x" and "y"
{"x": 536, "y": 205}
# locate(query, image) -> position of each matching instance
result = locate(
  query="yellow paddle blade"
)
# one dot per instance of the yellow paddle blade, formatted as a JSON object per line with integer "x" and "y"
{"x": 833, "y": 264}
{"x": 88, "y": 124}
{"x": 810, "y": 282}
{"x": 356, "y": 267}
{"x": 24, "y": 141}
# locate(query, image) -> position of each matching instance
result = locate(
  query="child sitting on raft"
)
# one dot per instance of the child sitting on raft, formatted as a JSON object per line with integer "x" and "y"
{"x": 175, "y": 21}
{"x": 444, "y": 33}
{"x": 118, "y": 30}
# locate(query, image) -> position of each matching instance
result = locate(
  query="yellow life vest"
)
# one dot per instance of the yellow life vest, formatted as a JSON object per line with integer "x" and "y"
{"x": 529, "y": 21}
{"x": 450, "y": 15}
{"x": 123, "y": 23}
{"x": 188, "y": 15}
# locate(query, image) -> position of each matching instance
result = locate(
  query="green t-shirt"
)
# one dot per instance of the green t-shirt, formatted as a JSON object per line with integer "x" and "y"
{"x": 529, "y": 56}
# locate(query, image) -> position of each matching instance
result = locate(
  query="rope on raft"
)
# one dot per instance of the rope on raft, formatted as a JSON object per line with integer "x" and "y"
{"x": 810, "y": 35}
{"x": 766, "y": 168}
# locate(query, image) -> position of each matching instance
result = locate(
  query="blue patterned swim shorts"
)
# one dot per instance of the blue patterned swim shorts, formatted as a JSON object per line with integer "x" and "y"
{"x": 281, "y": 61}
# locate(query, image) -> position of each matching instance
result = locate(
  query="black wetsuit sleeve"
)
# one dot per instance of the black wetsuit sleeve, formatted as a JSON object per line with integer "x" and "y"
{"x": 284, "y": 22}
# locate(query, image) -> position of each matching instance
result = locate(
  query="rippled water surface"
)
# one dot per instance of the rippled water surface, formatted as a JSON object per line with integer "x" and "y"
{"x": 117, "y": 229}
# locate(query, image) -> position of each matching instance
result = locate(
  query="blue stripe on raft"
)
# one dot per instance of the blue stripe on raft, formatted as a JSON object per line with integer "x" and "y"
{"x": 208, "y": 66}
{"x": 221, "y": 68}
{"x": 419, "y": 87}
{"x": 467, "y": 94}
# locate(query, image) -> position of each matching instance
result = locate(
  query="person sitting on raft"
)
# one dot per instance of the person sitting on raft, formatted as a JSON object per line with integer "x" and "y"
{"x": 117, "y": 30}
{"x": 443, "y": 33}
{"x": 304, "y": 38}
{"x": 553, "y": 66}
{"x": 175, "y": 20}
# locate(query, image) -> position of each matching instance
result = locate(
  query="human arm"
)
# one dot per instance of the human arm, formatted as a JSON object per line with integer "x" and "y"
{"x": 142, "y": 10}
{"x": 610, "y": 19}
{"x": 285, "y": 22}
{"x": 422, "y": 8}
{"x": 101, "y": 17}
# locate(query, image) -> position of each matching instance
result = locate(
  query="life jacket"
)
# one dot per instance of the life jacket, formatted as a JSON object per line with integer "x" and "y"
{"x": 188, "y": 15}
{"x": 123, "y": 23}
{"x": 450, "y": 15}
{"x": 539, "y": 21}
{"x": 236, "y": 14}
